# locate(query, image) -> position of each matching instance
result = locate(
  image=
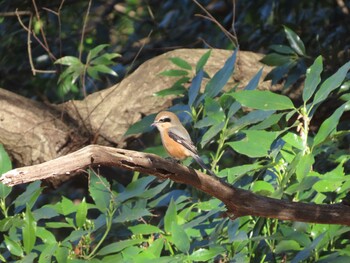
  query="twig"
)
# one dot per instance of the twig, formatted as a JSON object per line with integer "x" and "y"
{"x": 41, "y": 29}
{"x": 232, "y": 37}
{"x": 29, "y": 50}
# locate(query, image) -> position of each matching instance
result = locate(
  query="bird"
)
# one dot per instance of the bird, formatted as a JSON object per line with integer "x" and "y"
{"x": 176, "y": 140}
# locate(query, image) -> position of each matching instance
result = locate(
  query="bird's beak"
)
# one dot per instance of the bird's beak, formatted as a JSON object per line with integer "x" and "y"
{"x": 154, "y": 124}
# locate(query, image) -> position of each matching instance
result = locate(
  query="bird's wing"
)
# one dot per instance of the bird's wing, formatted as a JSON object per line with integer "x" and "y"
{"x": 186, "y": 142}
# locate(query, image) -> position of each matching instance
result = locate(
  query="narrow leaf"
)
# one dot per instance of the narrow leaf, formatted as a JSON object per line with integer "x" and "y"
{"x": 313, "y": 78}
{"x": 328, "y": 126}
{"x": 331, "y": 83}
{"x": 263, "y": 100}
{"x": 195, "y": 87}
{"x": 14, "y": 247}
{"x": 28, "y": 231}
{"x": 211, "y": 132}
{"x": 203, "y": 60}
{"x": 94, "y": 52}
{"x": 69, "y": 61}
{"x": 274, "y": 59}
{"x": 295, "y": 41}
{"x": 304, "y": 166}
{"x": 181, "y": 63}
{"x": 217, "y": 83}
{"x": 81, "y": 214}
{"x": 174, "y": 73}
{"x": 254, "y": 82}
{"x": 180, "y": 238}
{"x": 99, "y": 189}
{"x": 170, "y": 216}
{"x": 5, "y": 161}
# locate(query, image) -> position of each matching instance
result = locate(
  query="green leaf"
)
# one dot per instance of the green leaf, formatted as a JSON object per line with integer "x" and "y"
{"x": 81, "y": 214}
{"x": 262, "y": 188}
{"x": 95, "y": 51}
{"x": 135, "y": 189}
{"x": 105, "y": 59}
{"x": 128, "y": 214}
{"x": 307, "y": 251}
{"x": 76, "y": 235}
{"x": 203, "y": 60}
{"x": 174, "y": 90}
{"x": 174, "y": 73}
{"x": 250, "y": 118}
{"x": 181, "y": 63}
{"x": 263, "y": 100}
{"x": 268, "y": 122}
{"x": 295, "y": 41}
{"x": 255, "y": 144}
{"x": 323, "y": 186}
{"x": 205, "y": 255}
{"x": 30, "y": 258}
{"x": 65, "y": 87}
{"x": 156, "y": 248}
{"x": 29, "y": 197}
{"x": 195, "y": 87}
{"x": 304, "y": 166}
{"x": 45, "y": 235}
{"x": 328, "y": 126}
{"x": 69, "y": 61}
{"x": 274, "y": 59}
{"x": 180, "y": 238}
{"x": 61, "y": 254}
{"x": 233, "y": 172}
{"x": 210, "y": 120}
{"x": 45, "y": 212}
{"x": 287, "y": 245}
{"x": 9, "y": 222}
{"x": 5, "y": 162}
{"x": 94, "y": 71}
{"x": 217, "y": 83}
{"x": 65, "y": 207}
{"x": 170, "y": 216}
{"x": 47, "y": 253}
{"x": 144, "y": 229}
{"x": 141, "y": 126}
{"x": 294, "y": 140}
{"x": 100, "y": 192}
{"x": 282, "y": 49}
{"x": 254, "y": 82}
{"x": 211, "y": 133}
{"x": 331, "y": 83}
{"x": 13, "y": 246}
{"x": 29, "y": 231}
{"x": 119, "y": 246}
{"x": 313, "y": 78}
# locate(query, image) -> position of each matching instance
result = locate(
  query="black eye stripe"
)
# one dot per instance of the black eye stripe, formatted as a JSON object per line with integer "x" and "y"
{"x": 165, "y": 119}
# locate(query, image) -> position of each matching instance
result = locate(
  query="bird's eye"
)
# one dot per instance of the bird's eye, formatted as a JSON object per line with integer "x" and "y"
{"x": 166, "y": 119}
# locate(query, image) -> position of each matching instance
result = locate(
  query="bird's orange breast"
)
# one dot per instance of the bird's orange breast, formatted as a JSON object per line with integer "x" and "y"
{"x": 173, "y": 148}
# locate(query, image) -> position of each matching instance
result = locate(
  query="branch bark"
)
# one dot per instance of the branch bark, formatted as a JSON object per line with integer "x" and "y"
{"x": 238, "y": 202}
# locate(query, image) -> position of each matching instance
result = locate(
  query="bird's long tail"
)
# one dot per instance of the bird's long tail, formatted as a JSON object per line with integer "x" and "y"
{"x": 203, "y": 165}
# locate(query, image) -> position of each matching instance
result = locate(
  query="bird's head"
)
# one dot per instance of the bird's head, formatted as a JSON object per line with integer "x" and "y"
{"x": 165, "y": 119}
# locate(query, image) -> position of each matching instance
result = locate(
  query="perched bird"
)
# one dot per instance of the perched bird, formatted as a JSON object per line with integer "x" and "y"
{"x": 175, "y": 138}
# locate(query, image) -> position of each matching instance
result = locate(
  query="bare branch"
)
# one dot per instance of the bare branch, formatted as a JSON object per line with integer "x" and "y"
{"x": 238, "y": 202}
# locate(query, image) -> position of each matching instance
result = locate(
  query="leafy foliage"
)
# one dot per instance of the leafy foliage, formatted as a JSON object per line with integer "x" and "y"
{"x": 277, "y": 148}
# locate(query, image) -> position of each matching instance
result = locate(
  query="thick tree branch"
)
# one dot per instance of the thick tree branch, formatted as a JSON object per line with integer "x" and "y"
{"x": 238, "y": 202}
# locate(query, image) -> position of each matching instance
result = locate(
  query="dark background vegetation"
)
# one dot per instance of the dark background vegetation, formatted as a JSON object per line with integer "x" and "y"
{"x": 160, "y": 26}
{"x": 140, "y": 30}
